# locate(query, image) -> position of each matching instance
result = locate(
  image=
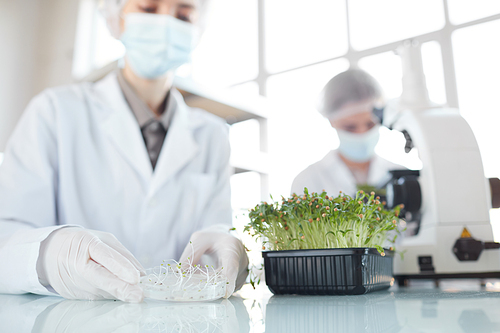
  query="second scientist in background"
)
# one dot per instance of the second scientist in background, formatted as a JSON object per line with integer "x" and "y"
{"x": 349, "y": 101}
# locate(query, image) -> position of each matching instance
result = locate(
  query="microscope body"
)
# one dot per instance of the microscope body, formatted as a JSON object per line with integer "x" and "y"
{"x": 454, "y": 195}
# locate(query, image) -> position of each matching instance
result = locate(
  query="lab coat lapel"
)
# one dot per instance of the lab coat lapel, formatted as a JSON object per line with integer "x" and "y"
{"x": 122, "y": 128}
{"x": 342, "y": 175}
{"x": 179, "y": 147}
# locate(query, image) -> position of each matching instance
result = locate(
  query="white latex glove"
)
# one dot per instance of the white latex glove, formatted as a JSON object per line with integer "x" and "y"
{"x": 87, "y": 264}
{"x": 228, "y": 252}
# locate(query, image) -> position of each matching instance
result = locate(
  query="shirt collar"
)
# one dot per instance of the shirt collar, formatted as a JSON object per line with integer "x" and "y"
{"x": 142, "y": 113}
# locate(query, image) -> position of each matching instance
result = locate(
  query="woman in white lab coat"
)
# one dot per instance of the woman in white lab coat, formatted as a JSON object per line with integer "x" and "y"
{"x": 350, "y": 102}
{"x": 100, "y": 179}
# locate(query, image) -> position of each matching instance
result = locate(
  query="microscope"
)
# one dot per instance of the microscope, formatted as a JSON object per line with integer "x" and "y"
{"x": 449, "y": 199}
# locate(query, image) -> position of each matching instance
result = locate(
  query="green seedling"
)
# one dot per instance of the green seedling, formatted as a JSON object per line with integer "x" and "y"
{"x": 318, "y": 221}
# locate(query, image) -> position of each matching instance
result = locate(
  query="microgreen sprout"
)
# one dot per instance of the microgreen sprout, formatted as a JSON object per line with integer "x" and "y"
{"x": 184, "y": 281}
{"x": 318, "y": 221}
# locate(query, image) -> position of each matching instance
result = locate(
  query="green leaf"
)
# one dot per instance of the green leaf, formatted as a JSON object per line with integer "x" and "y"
{"x": 291, "y": 241}
{"x": 299, "y": 209}
{"x": 345, "y": 231}
{"x": 379, "y": 248}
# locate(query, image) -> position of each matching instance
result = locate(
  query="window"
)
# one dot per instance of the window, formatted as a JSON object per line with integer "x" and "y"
{"x": 476, "y": 50}
{"x": 94, "y": 45}
{"x": 287, "y": 50}
{"x": 303, "y": 32}
{"x": 386, "y": 69}
{"x": 462, "y": 11}
{"x": 303, "y": 85}
{"x": 228, "y": 51}
{"x": 374, "y": 23}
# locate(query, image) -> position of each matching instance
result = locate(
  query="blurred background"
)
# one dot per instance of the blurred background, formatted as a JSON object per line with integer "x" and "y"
{"x": 274, "y": 57}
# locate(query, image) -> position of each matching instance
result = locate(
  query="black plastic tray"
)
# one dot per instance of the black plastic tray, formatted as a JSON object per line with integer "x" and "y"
{"x": 351, "y": 271}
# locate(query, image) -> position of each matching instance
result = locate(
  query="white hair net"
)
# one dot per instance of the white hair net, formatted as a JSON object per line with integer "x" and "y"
{"x": 111, "y": 10}
{"x": 353, "y": 85}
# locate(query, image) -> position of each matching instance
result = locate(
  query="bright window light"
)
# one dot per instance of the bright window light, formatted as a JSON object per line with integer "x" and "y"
{"x": 245, "y": 144}
{"x": 373, "y": 23}
{"x": 476, "y": 50}
{"x": 245, "y": 191}
{"x": 228, "y": 51}
{"x": 107, "y": 49}
{"x": 94, "y": 45}
{"x": 244, "y": 137}
{"x": 464, "y": 11}
{"x": 391, "y": 147}
{"x": 300, "y": 33}
{"x": 1, "y": 158}
{"x": 295, "y": 142}
{"x": 245, "y": 89}
{"x": 84, "y": 39}
{"x": 298, "y": 135}
{"x": 302, "y": 86}
{"x": 386, "y": 69}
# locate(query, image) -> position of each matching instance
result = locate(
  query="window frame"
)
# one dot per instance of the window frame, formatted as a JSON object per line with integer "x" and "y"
{"x": 442, "y": 36}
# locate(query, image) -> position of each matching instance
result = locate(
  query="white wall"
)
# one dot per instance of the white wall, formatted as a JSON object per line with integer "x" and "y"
{"x": 36, "y": 51}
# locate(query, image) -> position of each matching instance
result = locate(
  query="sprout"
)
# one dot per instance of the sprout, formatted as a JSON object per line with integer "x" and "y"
{"x": 360, "y": 221}
{"x": 183, "y": 281}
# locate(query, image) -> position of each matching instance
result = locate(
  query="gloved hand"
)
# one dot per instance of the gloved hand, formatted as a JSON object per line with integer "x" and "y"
{"x": 227, "y": 250}
{"x": 87, "y": 264}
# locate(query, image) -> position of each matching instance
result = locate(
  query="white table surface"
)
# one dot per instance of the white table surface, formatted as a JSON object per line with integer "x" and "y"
{"x": 456, "y": 306}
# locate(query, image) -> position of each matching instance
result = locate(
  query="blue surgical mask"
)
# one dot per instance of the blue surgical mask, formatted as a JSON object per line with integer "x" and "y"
{"x": 358, "y": 147}
{"x": 156, "y": 44}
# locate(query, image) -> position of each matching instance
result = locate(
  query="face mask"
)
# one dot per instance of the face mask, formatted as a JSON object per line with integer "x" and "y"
{"x": 358, "y": 147}
{"x": 156, "y": 44}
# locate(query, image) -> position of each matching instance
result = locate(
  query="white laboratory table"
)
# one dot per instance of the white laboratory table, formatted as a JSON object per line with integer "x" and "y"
{"x": 455, "y": 306}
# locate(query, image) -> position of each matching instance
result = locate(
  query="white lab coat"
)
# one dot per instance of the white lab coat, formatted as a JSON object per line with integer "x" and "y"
{"x": 332, "y": 175}
{"x": 77, "y": 157}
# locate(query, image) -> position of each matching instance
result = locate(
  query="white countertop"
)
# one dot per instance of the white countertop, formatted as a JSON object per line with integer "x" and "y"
{"x": 456, "y": 306}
